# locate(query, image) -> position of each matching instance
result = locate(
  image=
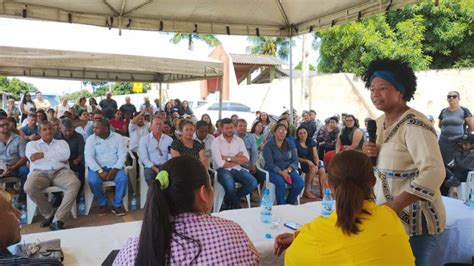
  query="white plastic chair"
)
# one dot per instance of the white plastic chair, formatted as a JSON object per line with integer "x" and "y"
{"x": 463, "y": 191}
{"x": 8, "y": 180}
{"x": 131, "y": 171}
{"x": 89, "y": 196}
{"x": 143, "y": 185}
{"x": 31, "y": 207}
{"x": 219, "y": 193}
{"x": 270, "y": 185}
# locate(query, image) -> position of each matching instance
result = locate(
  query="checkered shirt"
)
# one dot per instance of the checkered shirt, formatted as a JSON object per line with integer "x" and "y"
{"x": 222, "y": 242}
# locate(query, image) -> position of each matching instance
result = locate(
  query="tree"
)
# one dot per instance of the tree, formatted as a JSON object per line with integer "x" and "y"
{"x": 449, "y": 31}
{"x": 274, "y": 46}
{"x": 209, "y": 39}
{"x": 424, "y": 35}
{"x": 351, "y": 47}
{"x": 15, "y": 87}
{"x": 74, "y": 96}
{"x": 119, "y": 88}
{"x": 299, "y": 66}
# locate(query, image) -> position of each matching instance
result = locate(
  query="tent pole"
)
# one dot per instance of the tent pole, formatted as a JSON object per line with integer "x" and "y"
{"x": 291, "y": 77}
{"x": 160, "y": 94}
{"x": 220, "y": 84}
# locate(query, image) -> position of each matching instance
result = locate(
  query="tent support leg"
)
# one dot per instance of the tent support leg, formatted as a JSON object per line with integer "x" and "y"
{"x": 291, "y": 78}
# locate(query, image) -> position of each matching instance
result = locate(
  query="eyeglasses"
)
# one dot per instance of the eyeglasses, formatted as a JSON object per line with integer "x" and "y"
{"x": 452, "y": 96}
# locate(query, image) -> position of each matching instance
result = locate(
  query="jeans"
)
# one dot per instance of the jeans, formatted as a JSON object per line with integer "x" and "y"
{"x": 80, "y": 170}
{"x": 260, "y": 176}
{"x": 121, "y": 183}
{"x": 227, "y": 179}
{"x": 22, "y": 173}
{"x": 423, "y": 245}
{"x": 280, "y": 185}
{"x": 149, "y": 174}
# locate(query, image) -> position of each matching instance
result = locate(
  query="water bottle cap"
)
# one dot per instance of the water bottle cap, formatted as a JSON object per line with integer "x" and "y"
{"x": 268, "y": 236}
{"x": 328, "y": 191}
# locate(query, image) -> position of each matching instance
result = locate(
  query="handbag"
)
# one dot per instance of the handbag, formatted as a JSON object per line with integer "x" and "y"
{"x": 50, "y": 249}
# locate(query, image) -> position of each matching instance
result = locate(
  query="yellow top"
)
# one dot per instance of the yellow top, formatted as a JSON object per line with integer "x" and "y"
{"x": 381, "y": 241}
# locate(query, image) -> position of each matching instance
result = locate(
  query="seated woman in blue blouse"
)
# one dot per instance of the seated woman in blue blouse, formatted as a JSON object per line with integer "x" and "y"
{"x": 309, "y": 162}
{"x": 281, "y": 161}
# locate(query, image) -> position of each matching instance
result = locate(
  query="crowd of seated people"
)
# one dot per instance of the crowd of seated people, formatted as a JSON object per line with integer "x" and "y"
{"x": 57, "y": 147}
{"x": 159, "y": 132}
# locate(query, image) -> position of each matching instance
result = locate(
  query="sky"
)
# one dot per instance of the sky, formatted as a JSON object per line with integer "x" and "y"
{"x": 63, "y": 36}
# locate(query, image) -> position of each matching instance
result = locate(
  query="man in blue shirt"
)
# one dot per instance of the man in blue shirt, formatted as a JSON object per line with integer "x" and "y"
{"x": 105, "y": 154}
{"x": 12, "y": 154}
{"x": 251, "y": 145}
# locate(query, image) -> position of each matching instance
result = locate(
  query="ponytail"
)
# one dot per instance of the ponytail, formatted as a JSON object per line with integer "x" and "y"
{"x": 351, "y": 174}
{"x": 155, "y": 237}
{"x": 171, "y": 193}
{"x": 349, "y": 202}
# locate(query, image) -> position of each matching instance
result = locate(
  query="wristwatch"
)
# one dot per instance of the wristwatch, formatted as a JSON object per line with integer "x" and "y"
{"x": 100, "y": 171}
{"x": 229, "y": 159}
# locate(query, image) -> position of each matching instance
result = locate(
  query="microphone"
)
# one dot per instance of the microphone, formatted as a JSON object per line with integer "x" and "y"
{"x": 372, "y": 130}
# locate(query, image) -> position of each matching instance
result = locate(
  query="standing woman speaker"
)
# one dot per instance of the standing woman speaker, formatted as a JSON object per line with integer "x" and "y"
{"x": 410, "y": 168}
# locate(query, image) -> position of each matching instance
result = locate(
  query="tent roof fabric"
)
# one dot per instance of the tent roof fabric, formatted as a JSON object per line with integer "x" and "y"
{"x": 46, "y": 63}
{"x": 249, "y": 59}
{"x": 281, "y": 18}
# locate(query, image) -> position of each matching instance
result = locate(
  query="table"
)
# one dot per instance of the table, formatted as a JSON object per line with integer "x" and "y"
{"x": 91, "y": 245}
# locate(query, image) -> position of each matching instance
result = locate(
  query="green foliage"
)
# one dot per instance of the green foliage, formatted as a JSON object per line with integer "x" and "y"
{"x": 119, "y": 88}
{"x": 449, "y": 31}
{"x": 209, "y": 39}
{"x": 299, "y": 66}
{"x": 101, "y": 88}
{"x": 74, "y": 96}
{"x": 424, "y": 35}
{"x": 15, "y": 87}
{"x": 274, "y": 46}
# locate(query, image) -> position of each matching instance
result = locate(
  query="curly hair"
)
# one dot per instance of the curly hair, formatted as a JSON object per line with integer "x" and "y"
{"x": 402, "y": 71}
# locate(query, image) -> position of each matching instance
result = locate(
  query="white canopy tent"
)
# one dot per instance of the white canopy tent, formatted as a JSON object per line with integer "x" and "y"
{"x": 46, "y": 63}
{"x": 279, "y": 18}
{"x": 283, "y": 18}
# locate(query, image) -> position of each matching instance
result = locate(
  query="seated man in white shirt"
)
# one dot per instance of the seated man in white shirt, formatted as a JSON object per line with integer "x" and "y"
{"x": 49, "y": 167}
{"x": 202, "y": 135}
{"x": 105, "y": 155}
{"x": 138, "y": 128}
{"x": 228, "y": 153}
{"x": 154, "y": 149}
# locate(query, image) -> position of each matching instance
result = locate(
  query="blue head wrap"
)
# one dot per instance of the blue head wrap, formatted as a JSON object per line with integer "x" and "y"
{"x": 390, "y": 77}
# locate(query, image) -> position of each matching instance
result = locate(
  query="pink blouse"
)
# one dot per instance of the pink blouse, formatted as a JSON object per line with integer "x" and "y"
{"x": 222, "y": 242}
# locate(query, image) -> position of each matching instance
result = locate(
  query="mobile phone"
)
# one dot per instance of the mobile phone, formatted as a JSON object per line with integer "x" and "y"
{"x": 293, "y": 225}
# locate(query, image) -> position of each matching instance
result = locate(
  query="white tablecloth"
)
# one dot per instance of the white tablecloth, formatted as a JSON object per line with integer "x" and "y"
{"x": 91, "y": 245}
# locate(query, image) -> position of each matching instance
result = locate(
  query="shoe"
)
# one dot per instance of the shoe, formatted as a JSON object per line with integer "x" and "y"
{"x": 103, "y": 210}
{"x": 118, "y": 211}
{"x": 47, "y": 221}
{"x": 58, "y": 225}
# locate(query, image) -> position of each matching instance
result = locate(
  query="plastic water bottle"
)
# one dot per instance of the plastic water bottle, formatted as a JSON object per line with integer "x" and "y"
{"x": 266, "y": 207}
{"x": 133, "y": 204}
{"x": 82, "y": 206}
{"x": 24, "y": 217}
{"x": 14, "y": 200}
{"x": 328, "y": 203}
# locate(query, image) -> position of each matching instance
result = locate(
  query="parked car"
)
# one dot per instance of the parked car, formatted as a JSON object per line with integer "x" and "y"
{"x": 228, "y": 109}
